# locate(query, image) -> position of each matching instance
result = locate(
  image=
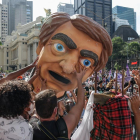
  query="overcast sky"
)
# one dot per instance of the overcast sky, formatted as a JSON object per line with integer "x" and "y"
{"x": 39, "y": 5}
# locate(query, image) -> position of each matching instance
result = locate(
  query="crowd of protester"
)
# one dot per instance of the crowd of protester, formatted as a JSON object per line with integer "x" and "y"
{"x": 26, "y": 116}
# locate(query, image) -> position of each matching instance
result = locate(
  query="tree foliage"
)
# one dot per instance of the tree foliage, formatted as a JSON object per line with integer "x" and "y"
{"x": 118, "y": 46}
{"x": 123, "y": 49}
{"x": 117, "y": 66}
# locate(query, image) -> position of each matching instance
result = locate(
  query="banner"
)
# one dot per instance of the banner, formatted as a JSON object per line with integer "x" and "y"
{"x": 134, "y": 63}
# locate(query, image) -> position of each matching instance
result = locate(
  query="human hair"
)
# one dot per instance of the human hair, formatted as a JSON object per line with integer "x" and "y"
{"x": 15, "y": 96}
{"x": 45, "y": 102}
{"x": 126, "y": 84}
{"x": 84, "y": 24}
{"x": 110, "y": 84}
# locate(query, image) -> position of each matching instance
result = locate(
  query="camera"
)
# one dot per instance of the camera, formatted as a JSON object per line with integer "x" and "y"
{"x": 132, "y": 81}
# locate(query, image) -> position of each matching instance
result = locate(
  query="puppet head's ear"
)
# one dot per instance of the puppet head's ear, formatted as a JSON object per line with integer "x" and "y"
{"x": 39, "y": 48}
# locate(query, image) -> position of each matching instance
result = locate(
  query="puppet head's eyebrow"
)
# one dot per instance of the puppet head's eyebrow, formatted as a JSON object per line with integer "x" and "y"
{"x": 90, "y": 54}
{"x": 64, "y": 38}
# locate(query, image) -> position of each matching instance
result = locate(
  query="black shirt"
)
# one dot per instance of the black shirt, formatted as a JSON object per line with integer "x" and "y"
{"x": 38, "y": 134}
{"x": 101, "y": 89}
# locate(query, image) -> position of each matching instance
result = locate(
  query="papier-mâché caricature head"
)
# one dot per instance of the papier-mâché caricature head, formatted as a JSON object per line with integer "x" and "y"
{"x": 65, "y": 44}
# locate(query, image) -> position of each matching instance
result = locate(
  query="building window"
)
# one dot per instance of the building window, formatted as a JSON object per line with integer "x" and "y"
{"x": 28, "y": 10}
{"x": 7, "y": 54}
{"x": 7, "y": 61}
{"x": 28, "y": 13}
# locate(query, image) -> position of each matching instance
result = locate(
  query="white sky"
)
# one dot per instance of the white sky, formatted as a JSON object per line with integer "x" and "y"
{"x": 39, "y": 5}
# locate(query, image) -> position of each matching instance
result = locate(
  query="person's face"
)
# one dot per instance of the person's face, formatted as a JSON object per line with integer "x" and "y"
{"x": 101, "y": 84}
{"x": 66, "y": 50}
{"x": 83, "y": 86}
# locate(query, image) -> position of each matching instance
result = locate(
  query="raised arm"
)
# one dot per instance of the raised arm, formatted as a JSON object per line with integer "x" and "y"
{"x": 14, "y": 75}
{"x": 135, "y": 104}
{"x": 136, "y": 76}
{"x": 127, "y": 88}
{"x": 36, "y": 74}
{"x": 73, "y": 117}
{"x": 74, "y": 96}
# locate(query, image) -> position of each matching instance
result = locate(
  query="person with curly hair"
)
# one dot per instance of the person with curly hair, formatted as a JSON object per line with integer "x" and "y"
{"x": 15, "y": 106}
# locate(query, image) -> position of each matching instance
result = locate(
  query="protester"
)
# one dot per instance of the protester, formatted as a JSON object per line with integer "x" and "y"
{"x": 15, "y": 108}
{"x": 46, "y": 108}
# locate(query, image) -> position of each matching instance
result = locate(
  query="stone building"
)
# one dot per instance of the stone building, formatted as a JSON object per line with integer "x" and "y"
{"x": 19, "y": 49}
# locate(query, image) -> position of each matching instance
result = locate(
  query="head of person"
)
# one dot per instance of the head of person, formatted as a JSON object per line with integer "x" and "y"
{"x": 84, "y": 84}
{"x": 110, "y": 84}
{"x": 69, "y": 105}
{"x": 100, "y": 83}
{"x": 46, "y": 104}
{"x": 68, "y": 42}
{"x": 15, "y": 99}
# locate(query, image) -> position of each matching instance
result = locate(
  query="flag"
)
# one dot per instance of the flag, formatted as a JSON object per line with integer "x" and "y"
{"x": 134, "y": 63}
{"x": 128, "y": 77}
{"x": 119, "y": 76}
{"x": 114, "y": 74}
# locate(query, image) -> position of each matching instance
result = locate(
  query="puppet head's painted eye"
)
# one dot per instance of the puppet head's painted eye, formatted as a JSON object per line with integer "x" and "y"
{"x": 85, "y": 62}
{"x": 59, "y": 47}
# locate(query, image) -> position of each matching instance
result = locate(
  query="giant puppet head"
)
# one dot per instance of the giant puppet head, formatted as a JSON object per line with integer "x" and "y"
{"x": 66, "y": 42}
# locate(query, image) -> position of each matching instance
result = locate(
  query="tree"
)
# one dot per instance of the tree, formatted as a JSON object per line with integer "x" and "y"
{"x": 131, "y": 49}
{"x": 117, "y": 66}
{"x": 118, "y": 47}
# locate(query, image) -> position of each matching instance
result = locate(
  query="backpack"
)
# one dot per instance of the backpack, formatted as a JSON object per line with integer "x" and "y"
{"x": 62, "y": 129}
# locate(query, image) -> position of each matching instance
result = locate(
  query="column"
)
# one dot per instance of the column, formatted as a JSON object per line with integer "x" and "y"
{"x": 29, "y": 57}
{"x": 34, "y": 51}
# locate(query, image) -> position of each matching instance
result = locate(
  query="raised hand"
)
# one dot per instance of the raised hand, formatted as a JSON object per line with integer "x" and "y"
{"x": 61, "y": 108}
{"x": 81, "y": 73}
{"x": 43, "y": 84}
{"x": 135, "y": 103}
{"x": 136, "y": 76}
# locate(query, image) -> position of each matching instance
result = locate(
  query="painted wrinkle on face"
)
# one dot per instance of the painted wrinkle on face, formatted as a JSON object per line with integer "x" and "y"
{"x": 61, "y": 57}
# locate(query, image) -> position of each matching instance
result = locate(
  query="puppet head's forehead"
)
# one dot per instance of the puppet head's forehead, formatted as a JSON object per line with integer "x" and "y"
{"x": 76, "y": 38}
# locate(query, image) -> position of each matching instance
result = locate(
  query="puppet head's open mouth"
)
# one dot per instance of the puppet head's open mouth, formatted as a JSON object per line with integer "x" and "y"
{"x": 59, "y": 77}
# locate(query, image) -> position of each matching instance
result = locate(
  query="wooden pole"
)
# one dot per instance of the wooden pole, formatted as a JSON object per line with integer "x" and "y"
{"x": 95, "y": 82}
{"x": 116, "y": 81}
{"x": 123, "y": 82}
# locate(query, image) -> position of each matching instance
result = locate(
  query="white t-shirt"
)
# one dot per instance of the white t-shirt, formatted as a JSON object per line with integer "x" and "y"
{"x": 15, "y": 129}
